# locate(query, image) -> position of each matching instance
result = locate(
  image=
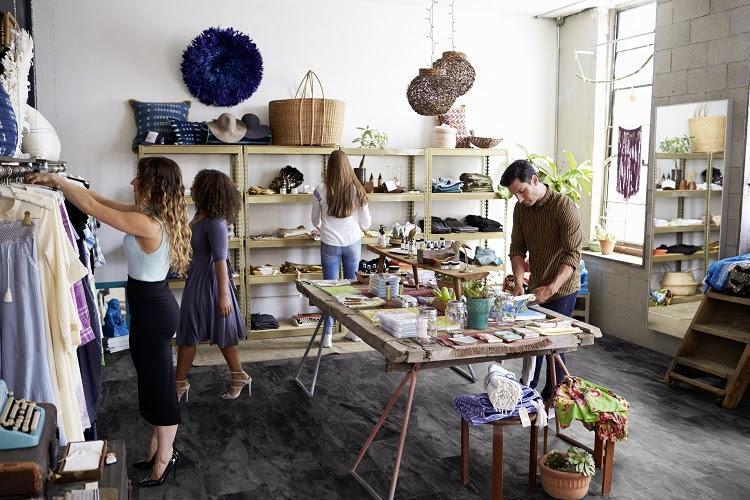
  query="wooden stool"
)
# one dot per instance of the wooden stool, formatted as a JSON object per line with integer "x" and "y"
{"x": 497, "y": 453}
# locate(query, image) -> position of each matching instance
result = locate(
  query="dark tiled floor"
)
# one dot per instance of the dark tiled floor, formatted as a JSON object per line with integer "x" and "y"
{"x": 279, "y": 444}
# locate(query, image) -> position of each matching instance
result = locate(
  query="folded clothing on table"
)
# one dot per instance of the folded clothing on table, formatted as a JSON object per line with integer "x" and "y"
{"x": 477, "y": 409}
{"x": 456, "y": 226}
{"x": 484, "y": 224}
{"x": 263, "y": 322}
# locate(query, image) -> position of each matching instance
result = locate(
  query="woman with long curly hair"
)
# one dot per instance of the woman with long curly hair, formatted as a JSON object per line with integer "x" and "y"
{"x": 340, "y": 212}
{"x": 157, "y": 238}
{"x": 209, "y": 309}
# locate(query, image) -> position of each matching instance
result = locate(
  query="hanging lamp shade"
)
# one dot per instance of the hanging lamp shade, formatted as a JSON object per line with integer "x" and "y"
{"x": 431, "y": 93}
{"x": 458, "y": 69}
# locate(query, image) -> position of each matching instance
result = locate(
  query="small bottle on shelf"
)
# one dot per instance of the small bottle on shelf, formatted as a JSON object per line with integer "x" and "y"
{"x": 380, "y": 180}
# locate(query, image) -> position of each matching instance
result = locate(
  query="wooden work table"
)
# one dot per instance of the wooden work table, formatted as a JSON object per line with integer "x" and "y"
{"x": 406, "y": 355}
{"x": 456, "y": 275}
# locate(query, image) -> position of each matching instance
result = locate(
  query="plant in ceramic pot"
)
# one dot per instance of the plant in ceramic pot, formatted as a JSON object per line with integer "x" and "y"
{"x": 368, "y": 139}
{"x": 606, "y": 239}
{"x": 478, "y": 302}
{"x": 567, "y": 475}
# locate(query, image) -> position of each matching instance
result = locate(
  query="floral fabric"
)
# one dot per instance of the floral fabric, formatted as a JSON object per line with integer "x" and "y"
{"x": 599, "y": 409}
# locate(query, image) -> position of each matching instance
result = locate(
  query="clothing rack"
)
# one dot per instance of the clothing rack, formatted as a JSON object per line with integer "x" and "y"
{"x": 13, "y": 168}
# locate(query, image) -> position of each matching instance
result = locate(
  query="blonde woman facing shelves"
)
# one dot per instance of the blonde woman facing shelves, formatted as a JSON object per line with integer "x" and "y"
{"x": 341, "y": 213}
{"x": 157, "y": 238}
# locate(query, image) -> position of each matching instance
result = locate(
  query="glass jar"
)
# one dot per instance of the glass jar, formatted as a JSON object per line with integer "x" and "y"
{"x": 455, "y": 311}
{"x": 427, "y": 325}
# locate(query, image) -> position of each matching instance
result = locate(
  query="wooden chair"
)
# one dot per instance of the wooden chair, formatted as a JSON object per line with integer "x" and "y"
{"x": 497, "y": 453}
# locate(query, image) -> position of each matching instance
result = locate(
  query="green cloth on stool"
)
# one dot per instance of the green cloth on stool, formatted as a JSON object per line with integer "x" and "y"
{"x": 597, "y": 407}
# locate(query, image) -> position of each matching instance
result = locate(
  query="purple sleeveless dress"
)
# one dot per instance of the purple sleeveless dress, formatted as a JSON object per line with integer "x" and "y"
{"x": 200, "y": 320}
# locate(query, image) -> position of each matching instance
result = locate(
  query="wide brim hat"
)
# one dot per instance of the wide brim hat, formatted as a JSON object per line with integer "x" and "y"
{"x": 254, "y": 128}
{"x": 227, "y": 128}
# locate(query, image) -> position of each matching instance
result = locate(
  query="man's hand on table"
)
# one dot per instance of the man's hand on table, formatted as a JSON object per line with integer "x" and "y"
{"x": 543, "y": 293}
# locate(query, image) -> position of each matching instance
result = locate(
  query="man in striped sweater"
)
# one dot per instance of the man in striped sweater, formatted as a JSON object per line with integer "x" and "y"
{"x": 547, "y": 227}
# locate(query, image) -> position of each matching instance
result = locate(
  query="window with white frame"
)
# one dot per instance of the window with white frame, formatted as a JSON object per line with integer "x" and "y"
{"x": 630, "y": 108}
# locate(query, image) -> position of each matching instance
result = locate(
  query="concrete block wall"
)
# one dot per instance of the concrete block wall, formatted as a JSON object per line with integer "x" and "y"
{"x": 702, "y": 52}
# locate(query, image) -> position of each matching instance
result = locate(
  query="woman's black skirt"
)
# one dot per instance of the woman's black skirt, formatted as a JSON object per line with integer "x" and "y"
{"x": 154, "y": 315}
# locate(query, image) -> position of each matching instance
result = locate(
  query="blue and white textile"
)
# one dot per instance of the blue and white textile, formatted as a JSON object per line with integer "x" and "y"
{"x": 718, "y": 272}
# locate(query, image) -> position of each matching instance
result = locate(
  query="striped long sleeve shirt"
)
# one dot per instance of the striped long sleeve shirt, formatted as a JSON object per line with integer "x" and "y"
{"x": 550, "y": 232}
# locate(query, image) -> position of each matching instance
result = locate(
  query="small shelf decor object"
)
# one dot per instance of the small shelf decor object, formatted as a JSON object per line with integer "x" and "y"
{"x": 458, "y": 69}
{"x": 484, "y": 142}
{"x": 306, "y": 120}
{"x": 606, "y": 239}
{"x": 222, "y": 67}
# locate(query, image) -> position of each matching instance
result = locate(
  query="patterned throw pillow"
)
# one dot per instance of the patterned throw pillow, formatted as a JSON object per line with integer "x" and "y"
{"x": 189, "y": 132}
{"x": 154, "y": 117}
{"x": 456, "y": 118}
{"x": 8, "y": 126}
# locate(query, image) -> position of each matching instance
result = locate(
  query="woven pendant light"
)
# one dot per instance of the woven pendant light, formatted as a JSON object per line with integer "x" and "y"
{"x": 431, "y": 93}
{"x": 458, "y": 69}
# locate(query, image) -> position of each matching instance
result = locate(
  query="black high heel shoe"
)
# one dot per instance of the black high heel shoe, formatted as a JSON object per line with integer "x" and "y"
{"x": 148, "y": 481}
{"x": 149, "y": 464}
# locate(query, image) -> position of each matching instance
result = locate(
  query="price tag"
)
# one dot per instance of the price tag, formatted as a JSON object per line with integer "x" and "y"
{"x": 524, "y": 414}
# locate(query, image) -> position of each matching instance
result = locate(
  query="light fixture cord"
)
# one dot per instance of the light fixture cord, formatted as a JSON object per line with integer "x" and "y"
{"x": 453, "y": 25}
{"x": 431, "y": 20}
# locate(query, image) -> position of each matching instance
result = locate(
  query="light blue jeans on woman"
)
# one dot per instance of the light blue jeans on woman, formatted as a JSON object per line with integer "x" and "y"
{"x": 332, "y": 258}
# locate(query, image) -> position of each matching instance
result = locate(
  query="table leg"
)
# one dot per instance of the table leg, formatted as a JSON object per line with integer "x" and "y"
{"x": 533, "y": 457}
{"x": 411, "y": 377}
{"x": 415, "y": 270}
{"x": 464, "y": 452}
{"x": 598, "y": 448}
{"x": 548, "y": 404}
{"x": 497, "y": 462}
{"x": 310, "y": 392}
{"x": 470, "y": 376}
{"x": 457, "y": 287}
{"x": 609, "y": 458}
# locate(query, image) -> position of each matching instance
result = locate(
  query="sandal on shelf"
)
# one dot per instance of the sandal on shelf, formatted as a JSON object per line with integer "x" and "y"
{"x": 183, "y": 389}
{"x": 237, "y": 384}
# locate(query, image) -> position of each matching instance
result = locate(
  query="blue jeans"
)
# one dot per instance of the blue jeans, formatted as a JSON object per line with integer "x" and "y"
{"x": 332, "y": 258}
{"x": 565, "y": 306}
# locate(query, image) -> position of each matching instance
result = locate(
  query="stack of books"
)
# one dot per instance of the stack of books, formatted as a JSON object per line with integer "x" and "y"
{"x": 116, "y": 344}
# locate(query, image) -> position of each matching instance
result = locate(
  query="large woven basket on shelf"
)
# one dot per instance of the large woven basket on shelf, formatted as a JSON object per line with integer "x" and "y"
{"x": 706, "y": 132}
{"x": 306, "y": 120}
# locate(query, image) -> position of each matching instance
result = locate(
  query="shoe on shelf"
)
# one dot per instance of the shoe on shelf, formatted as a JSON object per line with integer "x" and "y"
{"x": 149, "y": 482}
{"x": 237, "y": 384}
{"x": 349, "y": 335}
{"x": 327, "y": 339}
{"x": 183, "y": 389}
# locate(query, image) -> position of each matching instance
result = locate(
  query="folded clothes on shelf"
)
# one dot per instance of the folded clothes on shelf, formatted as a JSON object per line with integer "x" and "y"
{"x": 260, "y": 321}
{"x": 476, "y": 183}
{"x": 293, "y": 232}
{"x": 484, "y": 224}
{"x": 446, "y": 185}
{"x": 679, "y": 248}
{"x": 457, "y": 226}
{"x": 438, "y": 226}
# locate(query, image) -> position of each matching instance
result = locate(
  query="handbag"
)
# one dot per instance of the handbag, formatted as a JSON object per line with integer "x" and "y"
{"x": 485, "y": 256}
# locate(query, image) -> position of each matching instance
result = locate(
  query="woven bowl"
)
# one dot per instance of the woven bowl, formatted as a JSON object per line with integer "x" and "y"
{"x": 484, "y": 142}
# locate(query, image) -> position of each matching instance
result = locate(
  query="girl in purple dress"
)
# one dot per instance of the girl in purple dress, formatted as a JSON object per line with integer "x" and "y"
{"x": 209, "y": 310}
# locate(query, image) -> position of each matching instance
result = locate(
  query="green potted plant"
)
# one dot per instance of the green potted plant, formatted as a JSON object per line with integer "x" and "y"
{"x": 369, "y": 139}
{"x": 478, "y": 303}
{"x": 606, "y": 239}
{"x": 567, "y": 476}
{"x": 676, "y": 144}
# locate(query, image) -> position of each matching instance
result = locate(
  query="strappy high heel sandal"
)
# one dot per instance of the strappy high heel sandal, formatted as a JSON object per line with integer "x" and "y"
{"x": 183, "y": 389}
{"x": 236, "y": 385}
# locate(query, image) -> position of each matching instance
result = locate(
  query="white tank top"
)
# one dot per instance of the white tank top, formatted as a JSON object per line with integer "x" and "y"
{"x": 144, "y": 266}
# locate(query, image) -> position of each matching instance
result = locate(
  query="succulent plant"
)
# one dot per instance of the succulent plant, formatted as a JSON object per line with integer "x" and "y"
{"x": 576, "y": 460}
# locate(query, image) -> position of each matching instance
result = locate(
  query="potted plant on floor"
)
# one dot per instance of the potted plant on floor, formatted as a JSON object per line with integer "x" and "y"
{"x": 606, "y": 239}
{"x": 478, "y": 303}
{"x": 567, "y": 475}
{"x": 369, "y": 138}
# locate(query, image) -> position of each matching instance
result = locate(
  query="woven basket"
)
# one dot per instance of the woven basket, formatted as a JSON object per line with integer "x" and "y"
{"x": 306, "y": 120}
{"x": 707, "y": 132}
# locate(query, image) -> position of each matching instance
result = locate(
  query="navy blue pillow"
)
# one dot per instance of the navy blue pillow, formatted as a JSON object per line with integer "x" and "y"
{"x": 155, "y": 117}
{"x": 8, "y": 126}
{"x": 189, "y": 132}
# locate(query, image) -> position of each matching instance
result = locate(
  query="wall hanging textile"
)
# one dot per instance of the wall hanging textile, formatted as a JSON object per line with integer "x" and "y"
{"x": 629, "y": 162}
{"x": 306, "y": 120}
{"x": 432, "y": 92}
{"x": 458, "y": 69}
{"x": 222, "y": 67}
{"x": 599, "y": 409}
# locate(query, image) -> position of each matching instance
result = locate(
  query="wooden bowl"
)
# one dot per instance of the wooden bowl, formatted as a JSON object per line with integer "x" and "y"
{"x": 484, "y": 142}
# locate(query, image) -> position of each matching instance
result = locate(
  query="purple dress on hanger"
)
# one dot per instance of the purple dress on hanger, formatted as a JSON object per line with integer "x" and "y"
{"x": 200, "y": 320}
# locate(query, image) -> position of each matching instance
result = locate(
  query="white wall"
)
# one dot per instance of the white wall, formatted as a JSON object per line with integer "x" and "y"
{"x": 92, "y": 56}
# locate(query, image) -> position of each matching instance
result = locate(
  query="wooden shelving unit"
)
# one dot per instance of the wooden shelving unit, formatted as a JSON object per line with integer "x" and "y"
{"x": 715, "y": 353}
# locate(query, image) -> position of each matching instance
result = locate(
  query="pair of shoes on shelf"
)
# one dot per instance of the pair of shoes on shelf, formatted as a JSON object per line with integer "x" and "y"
{"x": 183, "y": 389}
{"x": 327, "y": 340}
{"x": 148, "y": 481}
{"x": 237, "y": 384}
